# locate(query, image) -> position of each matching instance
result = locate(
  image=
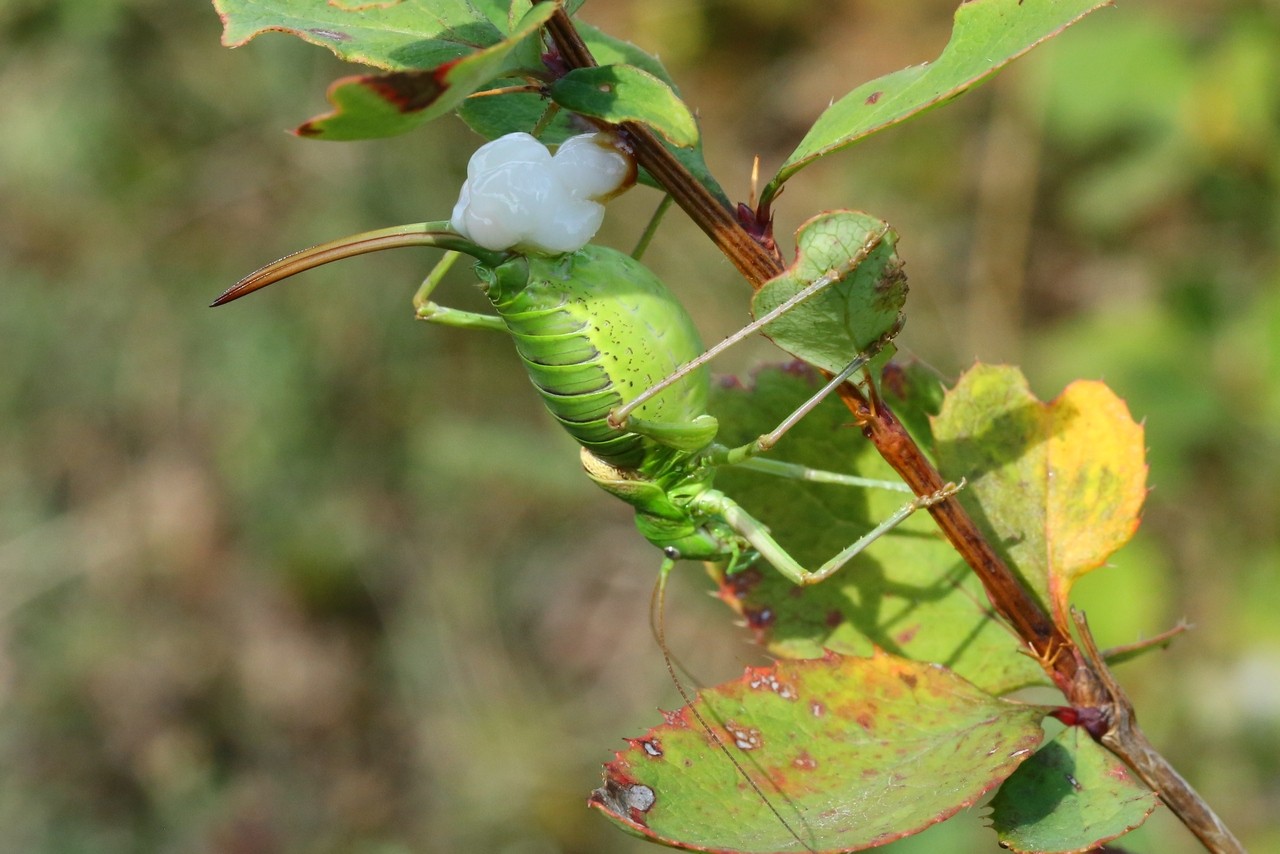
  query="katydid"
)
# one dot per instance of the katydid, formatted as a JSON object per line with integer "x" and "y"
{"x": 614, "y": 355}
{"x": 595, "y": 329}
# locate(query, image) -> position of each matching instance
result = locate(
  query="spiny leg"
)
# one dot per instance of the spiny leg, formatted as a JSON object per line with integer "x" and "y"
{"x": 757, "y": 534}
{"x": 696, "y": 435}
{"x": 746, "y": 456}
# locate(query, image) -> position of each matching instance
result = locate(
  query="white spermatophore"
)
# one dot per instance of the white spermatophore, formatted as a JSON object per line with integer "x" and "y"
{"x": 517, "y": 195}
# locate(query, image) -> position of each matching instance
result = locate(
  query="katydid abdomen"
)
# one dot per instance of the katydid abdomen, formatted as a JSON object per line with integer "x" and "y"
{"x": 594, "y": 328}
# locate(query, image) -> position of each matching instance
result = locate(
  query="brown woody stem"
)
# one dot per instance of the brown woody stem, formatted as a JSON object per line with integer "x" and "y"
{"x": 1126, "y": 740}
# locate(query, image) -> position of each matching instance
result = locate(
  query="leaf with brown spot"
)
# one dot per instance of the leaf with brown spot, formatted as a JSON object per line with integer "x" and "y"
{"x": 378, "y": 105}
{"x": 852, "y": 752}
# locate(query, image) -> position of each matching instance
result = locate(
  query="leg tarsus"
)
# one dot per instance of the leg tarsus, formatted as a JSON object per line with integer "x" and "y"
{"x": 948, "y": 489}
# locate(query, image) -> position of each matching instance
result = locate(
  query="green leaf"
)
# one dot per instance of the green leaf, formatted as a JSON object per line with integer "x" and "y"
{"x": 852, "y": 752}
{"x": 862, "y": 307}
{"x": 398, "y": 36}
{"x": 988, "y": 34}
{"x": 1057, "y": 487}
{"x": 622, "y": 93}
{"x": 497, "y": 115}
{"x": 1073, "y": 795}
{"x": 380, "y": 105}
{"x": 908, "y": 593}
{"x": 505, "y": 13}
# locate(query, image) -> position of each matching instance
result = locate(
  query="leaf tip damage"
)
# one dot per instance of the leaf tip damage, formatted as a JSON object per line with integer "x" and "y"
{"x": 402, "y": 93}
{"x": 623, "y": 798}
{"x": 410, "y": 91}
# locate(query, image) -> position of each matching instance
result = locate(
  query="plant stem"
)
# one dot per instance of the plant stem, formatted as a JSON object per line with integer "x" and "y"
{"x": 1005, "y": 590}
{"x": 1125, "y": 739}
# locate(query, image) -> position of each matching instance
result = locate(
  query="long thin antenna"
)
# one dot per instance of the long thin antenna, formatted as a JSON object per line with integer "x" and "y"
{"x": 657, "y": 621}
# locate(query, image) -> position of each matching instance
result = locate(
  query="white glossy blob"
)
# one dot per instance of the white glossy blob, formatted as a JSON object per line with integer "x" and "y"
{"x": 567, "y": 226}
{"x": 512, "y": 148}
{"x": 518, "y": 196}
{"x": 590, "y": 168}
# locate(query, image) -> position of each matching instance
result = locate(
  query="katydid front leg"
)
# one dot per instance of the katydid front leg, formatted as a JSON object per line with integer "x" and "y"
{"x": 700, "y": 433}
{"x": 433, "y": 312}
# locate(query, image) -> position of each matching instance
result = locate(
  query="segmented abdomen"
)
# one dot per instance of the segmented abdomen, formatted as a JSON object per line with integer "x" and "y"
{"x": 594, "y": 329}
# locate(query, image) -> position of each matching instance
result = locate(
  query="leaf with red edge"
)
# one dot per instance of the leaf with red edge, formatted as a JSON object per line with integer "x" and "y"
{"x": 988, "y": 34}
{"x": 908, "y": 593}
{"x": 1073, "y": 795}
{"x": 377, "y": 105}
{"x": 851, "y": 752}
{"x": 1058, "y": 486}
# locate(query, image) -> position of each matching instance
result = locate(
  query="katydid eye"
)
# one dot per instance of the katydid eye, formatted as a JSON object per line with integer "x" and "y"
{"x": 517, "y": 195}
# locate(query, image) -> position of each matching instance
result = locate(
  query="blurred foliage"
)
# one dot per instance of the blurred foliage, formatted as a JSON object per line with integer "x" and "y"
{"x": 301, "y": 575}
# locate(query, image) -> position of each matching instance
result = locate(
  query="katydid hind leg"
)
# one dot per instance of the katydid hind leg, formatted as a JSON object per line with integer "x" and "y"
{"x": 619, "y": 417}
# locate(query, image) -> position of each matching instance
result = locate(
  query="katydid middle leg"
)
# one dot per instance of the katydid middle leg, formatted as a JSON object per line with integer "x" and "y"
{"x": 757, "y": 533}
{"x": 747, "y": 456}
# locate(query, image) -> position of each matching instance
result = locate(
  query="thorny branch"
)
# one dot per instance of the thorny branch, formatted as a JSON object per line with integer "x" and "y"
{"x": 1082, "y": 675}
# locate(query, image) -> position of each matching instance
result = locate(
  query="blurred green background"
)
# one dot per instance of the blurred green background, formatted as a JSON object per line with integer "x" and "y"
{"x": 301, "y": 575}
